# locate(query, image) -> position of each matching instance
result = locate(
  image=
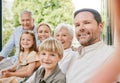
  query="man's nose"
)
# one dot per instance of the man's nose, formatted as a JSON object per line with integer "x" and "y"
{"x": 25, "y": 22}
{"x": 81, "y": 28}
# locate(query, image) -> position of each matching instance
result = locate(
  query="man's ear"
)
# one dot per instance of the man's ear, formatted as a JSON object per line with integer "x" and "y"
{"x": 101, "y": 26}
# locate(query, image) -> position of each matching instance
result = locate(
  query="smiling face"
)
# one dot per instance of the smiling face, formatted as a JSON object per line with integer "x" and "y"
{"x": 50, "y": 53}
{"x": 27, "y": 21}
{"x": 43, "y": 32}
{"x": 26, "y": 41}
{"x": 48, "y": 59}
{"x": 64, "y": 37}
{"x": 87, "y": 29}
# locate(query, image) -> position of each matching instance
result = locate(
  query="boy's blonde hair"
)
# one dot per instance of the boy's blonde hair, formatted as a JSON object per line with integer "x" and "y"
{"x": 52, "y": 45}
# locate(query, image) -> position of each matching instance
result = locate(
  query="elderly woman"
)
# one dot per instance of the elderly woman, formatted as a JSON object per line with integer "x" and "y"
{"x": 64, "y": 33}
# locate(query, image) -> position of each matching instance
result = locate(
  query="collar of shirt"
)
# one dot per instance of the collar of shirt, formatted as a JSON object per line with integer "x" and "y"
{"x": 83, "y": 50}
{"x": 51, "y": 76}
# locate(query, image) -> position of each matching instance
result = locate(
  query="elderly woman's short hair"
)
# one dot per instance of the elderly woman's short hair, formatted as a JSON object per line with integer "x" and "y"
{"x": 64, "y": 26}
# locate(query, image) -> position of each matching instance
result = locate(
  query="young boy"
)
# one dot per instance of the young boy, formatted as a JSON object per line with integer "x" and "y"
{"x": 50, "y": 53}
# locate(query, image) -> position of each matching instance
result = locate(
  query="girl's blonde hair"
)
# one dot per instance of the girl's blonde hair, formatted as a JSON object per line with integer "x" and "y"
{"x": 52, "y": 45}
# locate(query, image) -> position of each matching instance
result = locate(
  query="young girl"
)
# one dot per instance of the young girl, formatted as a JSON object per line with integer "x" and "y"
{"x": 26, "y": 62}
{"x": 50, "y": 53}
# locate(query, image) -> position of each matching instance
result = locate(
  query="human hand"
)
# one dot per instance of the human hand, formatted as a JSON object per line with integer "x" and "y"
{"x": 4, "y": 71}
{"x": 6, "y": 74}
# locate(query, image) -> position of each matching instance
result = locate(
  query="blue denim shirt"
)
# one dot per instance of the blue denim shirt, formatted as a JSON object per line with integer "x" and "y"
{"x": 14, "y": 42}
